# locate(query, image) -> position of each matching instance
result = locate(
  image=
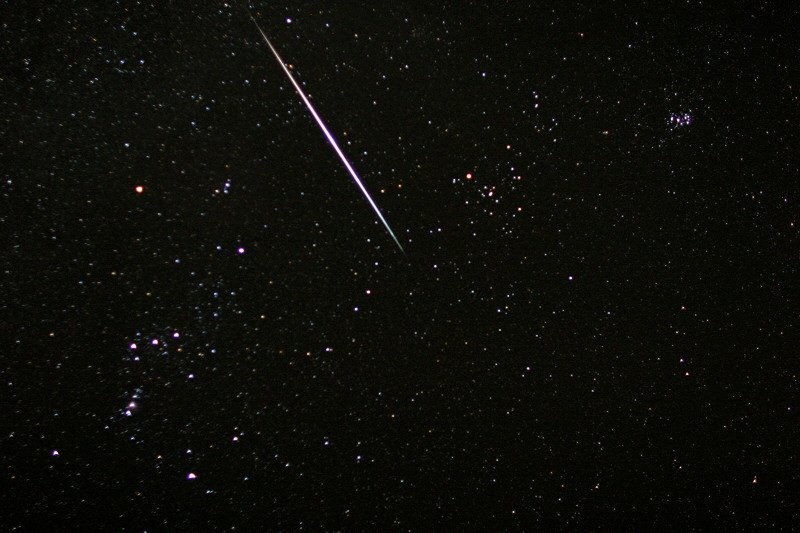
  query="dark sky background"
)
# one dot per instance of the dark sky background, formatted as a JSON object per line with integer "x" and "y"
{"x": 595, "y": 325}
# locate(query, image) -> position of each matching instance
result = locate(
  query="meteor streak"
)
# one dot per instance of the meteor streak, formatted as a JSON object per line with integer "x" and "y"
{"x": 328, "y": 135}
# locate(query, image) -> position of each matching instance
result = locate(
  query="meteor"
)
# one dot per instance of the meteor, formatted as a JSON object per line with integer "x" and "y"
{"x": 328, "y": 135}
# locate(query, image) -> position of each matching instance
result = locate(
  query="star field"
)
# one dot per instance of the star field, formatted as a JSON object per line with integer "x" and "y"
{"x": 204, "y": 325}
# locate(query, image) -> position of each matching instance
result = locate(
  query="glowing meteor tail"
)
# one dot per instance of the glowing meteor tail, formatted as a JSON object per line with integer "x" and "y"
{"x": 328, "y": 135}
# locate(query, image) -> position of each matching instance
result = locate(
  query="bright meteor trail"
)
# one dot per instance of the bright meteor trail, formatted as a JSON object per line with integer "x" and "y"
{"x": 328, "y": 135}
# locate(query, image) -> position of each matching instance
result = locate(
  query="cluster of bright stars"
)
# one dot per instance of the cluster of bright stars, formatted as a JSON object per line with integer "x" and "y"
{"x": 679, "y": 120}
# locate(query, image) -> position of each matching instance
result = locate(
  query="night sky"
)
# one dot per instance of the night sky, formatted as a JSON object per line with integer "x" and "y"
{"x": 205, "y": 325}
